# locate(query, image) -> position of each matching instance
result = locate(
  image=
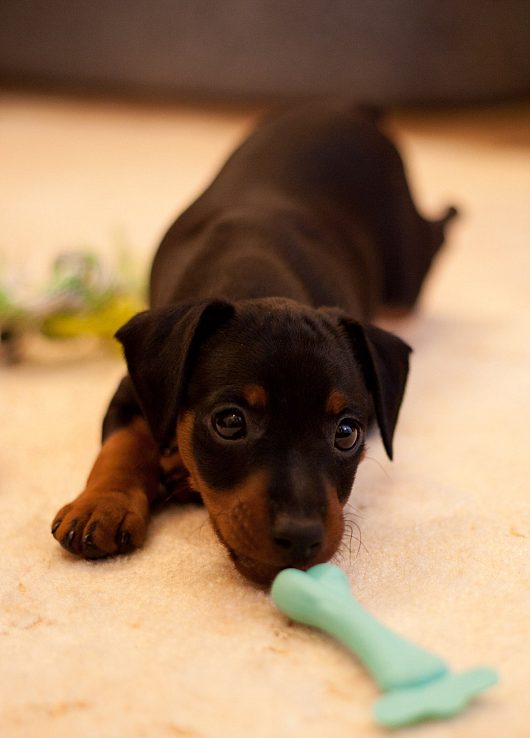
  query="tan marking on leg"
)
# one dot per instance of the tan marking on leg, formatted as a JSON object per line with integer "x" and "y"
{"x": 175, "y": 477}
{"x": 111, "y": 514}
{"x": 128, "y": 459}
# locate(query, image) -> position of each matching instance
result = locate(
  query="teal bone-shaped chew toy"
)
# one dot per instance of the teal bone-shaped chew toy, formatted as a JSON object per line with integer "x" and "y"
{"x": 418, "y": 684}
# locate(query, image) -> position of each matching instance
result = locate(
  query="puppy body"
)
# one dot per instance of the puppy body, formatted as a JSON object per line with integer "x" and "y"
{"x": 313, "y": 206}
{"x": 255, "y": 375}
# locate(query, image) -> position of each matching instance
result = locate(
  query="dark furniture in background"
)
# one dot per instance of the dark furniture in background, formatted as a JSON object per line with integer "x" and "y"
{"x": 380, "y": 51}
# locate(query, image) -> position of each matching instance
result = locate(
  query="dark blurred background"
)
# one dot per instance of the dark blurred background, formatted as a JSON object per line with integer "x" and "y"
{"x": 378, "y": 51}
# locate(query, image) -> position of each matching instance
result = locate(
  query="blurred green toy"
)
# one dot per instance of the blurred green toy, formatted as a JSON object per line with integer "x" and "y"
{"x": 80, "y": 299}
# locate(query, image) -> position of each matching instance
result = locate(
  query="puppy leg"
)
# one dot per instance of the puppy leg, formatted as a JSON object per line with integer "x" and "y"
{"x": 110, "y": 516}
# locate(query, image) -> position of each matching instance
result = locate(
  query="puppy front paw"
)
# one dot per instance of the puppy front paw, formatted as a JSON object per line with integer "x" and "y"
{"x": 98, "y": 524}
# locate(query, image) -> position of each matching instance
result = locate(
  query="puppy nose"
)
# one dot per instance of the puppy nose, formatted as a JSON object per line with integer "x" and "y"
{"x": 299, "y": 538}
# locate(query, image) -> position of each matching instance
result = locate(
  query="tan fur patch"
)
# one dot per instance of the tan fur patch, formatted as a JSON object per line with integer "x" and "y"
{"x": 184, "y": 441}
{"x": 336, "y": 402}
{"x": 112, "y": 512}
{"x": 256, "y": 396}
{"x": 127, "y": 460}
{"x": 334, "y": 525}
{"x": 240, "y": 514}
{"x": 175, "y": 477}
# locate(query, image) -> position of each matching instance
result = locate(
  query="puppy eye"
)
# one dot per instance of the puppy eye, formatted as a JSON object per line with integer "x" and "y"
{"x": 347, "y": 434}
{"x": 230, "y": 424}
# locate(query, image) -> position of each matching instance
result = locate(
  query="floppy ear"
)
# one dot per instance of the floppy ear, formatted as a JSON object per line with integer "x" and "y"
{"x": 159, "y": 346}
{"x": 385, "y": 362}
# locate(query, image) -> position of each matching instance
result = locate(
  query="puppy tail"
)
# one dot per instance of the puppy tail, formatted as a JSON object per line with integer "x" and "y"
{"x": 433, "y": 239}
{"x": 450, "y": 213}
{"x": 438, "y": 226}
{"x": 372, "y": 113}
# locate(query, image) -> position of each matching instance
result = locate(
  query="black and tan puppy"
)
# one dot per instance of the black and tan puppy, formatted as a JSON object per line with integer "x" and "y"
{"x": 255, "y": 375}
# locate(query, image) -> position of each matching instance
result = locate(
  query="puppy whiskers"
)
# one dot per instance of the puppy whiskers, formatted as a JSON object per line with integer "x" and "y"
{"x": 351, "y": 526}
{"x": 378, "y": 463}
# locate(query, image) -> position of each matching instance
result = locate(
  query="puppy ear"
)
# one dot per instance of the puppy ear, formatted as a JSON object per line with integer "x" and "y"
{"x": 384, "y": 359}
{"x": 159, "y": 347}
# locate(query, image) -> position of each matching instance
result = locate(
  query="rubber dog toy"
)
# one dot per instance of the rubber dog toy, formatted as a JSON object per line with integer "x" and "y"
{"x": 417, "y": 684}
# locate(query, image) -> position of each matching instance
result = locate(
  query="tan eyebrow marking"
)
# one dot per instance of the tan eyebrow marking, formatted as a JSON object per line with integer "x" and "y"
{"x": 255, "y": 395}
{"x": 336, "y": 402}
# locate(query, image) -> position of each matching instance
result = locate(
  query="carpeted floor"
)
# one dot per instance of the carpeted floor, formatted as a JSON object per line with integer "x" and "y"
{"x": 170, "y": 641}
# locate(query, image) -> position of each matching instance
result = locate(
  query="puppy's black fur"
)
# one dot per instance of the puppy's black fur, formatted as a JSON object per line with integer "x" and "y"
{"x": 256, "y": 367}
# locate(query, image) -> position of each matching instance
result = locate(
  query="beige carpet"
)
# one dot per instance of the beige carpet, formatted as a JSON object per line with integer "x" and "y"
{"x": 170, "y": 641}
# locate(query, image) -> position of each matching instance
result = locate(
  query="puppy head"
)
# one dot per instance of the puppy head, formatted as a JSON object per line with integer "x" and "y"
{"x": 269, "y": 402}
